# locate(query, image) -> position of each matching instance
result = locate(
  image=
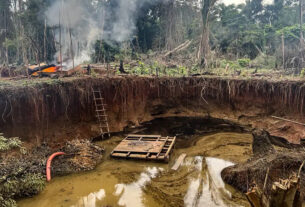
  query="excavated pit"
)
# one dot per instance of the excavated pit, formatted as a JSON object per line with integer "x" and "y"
{"x": 55, "y": 110}
{"x": 210, "y": 144}
{"x": 211, "y": 117}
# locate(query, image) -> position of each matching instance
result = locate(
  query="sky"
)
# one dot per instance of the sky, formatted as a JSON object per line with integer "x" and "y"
{"x": 227, "y": 2}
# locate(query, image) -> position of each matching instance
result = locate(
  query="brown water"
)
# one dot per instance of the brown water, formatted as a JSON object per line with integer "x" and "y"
{"x": 149, "y": 184}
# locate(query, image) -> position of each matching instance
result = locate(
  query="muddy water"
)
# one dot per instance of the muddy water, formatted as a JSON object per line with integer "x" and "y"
{"x": 146, "y": 184}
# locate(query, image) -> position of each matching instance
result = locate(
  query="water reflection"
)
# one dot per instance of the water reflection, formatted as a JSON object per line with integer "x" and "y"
{"x": 129, "y": 195}
{"x": 207, "y": 188}
{"x": 91, "y": 199}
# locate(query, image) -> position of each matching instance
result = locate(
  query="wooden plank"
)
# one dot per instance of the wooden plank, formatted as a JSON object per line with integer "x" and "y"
{"x": 162, "y": 146}
{"x": 140, "y": 135}
{"x": 170, "y": 148}
{"x": 179, "y": 161}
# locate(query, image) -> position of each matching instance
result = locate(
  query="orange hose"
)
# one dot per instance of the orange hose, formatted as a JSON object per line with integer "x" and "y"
{"x": 49, "y": 162}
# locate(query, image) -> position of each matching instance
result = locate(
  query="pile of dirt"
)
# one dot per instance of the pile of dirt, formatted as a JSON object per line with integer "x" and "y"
{"x": 81, "y": 155}
{"x": 281, "y": 162}
{"x": 261, "y": 143}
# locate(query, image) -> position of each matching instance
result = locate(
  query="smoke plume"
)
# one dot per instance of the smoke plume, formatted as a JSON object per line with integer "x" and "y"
{"x": 86, "y": 21}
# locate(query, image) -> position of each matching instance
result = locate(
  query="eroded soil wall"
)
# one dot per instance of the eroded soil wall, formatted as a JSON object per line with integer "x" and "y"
{"x": 54, "y": 110}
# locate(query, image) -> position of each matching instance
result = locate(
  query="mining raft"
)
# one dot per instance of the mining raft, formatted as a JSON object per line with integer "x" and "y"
{"x": 145, "y": 147}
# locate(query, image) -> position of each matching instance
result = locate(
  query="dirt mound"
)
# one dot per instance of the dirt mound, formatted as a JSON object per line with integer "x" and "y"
{"x": 81, "y": 155}
{"x": 282, "y": 164}
{"x": 261, "y": 142}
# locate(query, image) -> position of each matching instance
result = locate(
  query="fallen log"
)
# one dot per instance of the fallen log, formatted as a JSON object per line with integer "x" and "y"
{"x": 295, "y": 122}
{"x": 179, "y": 48}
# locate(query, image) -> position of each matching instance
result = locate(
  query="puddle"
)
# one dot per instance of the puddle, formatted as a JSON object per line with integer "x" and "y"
{"x": 142, "y": 184}
{"x": 131, "y": 194}
{"x": 207, "y": 188}
{"x": 101, "y": 187}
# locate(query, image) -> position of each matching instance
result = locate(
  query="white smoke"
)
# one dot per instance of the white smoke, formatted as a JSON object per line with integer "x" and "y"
{"x": 125, "y": 27}
{"x": 86, "y": 21}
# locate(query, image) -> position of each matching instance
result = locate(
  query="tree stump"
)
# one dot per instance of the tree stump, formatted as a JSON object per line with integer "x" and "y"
{"x": 284, "y": 193}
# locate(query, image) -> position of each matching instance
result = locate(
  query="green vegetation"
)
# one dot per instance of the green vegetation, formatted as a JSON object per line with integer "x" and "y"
{"x": 7, "y": 202}
{"x": 244, "y": 62}
{"x": 252, "y": 34}
{"x": 18, "y": 187}
{"x": 303, "y": 73}
{"x": 8, "y": 144}
{"x": 19, "y": 182}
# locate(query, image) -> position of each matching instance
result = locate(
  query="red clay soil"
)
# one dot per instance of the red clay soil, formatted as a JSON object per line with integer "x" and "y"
{"x": 56, "y": 110}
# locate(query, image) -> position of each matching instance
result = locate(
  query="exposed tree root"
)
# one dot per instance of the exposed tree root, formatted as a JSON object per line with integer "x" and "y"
{"x": 42, "y": 103}
{"x": 270, "y": 178}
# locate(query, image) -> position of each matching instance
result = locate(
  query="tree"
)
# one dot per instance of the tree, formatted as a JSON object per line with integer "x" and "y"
{"x": 204, "y": 47}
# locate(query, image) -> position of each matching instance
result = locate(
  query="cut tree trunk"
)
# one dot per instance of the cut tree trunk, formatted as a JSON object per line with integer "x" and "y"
{"x": 284, "y": 194}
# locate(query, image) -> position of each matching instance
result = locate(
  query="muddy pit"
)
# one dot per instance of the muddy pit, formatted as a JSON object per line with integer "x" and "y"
{"x": 136, "y": 183}
{"x": 210, "y": 144}
{"x": 54, "y": 113}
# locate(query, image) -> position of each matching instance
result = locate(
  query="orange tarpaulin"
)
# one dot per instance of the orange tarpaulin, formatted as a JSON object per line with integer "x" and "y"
{"x": 34, "y": 70}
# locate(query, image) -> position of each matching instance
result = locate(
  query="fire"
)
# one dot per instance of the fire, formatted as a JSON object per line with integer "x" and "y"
{"x": 44, "y": 69}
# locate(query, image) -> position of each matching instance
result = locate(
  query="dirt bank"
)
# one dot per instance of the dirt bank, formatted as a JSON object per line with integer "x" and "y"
{"x": 45, "y": 110}
{"x": 267, "y": 167}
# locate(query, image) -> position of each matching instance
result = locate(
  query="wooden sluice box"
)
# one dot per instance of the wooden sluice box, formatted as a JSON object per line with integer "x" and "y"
{"x": 147, "y": 147}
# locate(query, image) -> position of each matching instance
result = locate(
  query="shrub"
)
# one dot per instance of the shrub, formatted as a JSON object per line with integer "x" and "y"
{"x": 31, "y": 184}
{"x": 8, "y": 144}
{"x": 25, "y": 186}
{"x": 267, "y": 62}
{"x": 141, "y": 69}
{"x": 302, "y": 73}
{"x": 183, "y": 70}
{"x": 233, "y": 65}
{"x": 7, "y": 202}
{"x": 244, "y": 62}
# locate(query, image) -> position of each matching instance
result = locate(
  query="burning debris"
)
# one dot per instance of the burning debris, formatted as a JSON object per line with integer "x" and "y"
{"x": 43, "y": 70}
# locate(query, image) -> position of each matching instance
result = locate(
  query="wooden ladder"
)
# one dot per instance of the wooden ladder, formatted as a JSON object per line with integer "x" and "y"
{"x": 101, "y": 115}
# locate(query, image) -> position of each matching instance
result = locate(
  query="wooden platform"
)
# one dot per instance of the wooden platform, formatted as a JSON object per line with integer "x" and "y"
{"x": 179, "y": 162}
{"x": 148, "y": 147}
